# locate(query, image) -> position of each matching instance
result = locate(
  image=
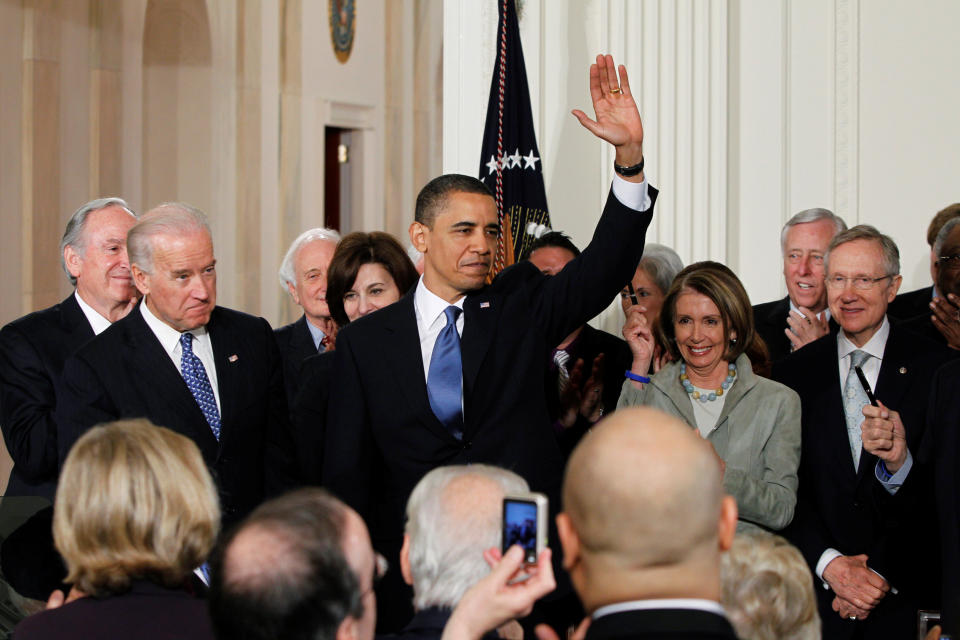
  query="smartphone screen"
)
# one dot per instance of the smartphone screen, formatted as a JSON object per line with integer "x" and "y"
{"x": 520, "y": 527}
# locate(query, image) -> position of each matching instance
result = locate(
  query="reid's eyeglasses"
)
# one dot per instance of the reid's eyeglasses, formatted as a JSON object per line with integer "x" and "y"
{"x": 859, "y": 282}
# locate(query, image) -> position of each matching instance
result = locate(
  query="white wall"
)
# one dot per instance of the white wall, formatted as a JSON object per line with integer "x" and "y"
{"x": 754, "y": 109}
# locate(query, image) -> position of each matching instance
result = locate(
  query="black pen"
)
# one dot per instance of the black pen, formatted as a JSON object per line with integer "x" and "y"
{"x": 866, "y": 386}
{"x": 633, "y": 294}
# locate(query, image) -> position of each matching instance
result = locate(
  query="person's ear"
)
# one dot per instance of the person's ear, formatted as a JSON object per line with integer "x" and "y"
{"x": 727, "y": 526}
{"x": 349, "y": 629}
{"x": 405, "y": 560}
{"x": 895, "y": 283}
{"x": 140, "y": 279}
{"x": 73, "y": 260}
{"x": 418, "y": 233}
{"x": 569, "y": 541}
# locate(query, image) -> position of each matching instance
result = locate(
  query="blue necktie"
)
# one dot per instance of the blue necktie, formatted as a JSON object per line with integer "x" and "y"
{"x": 196, "y": 378}
{"x": 445, "y": 376}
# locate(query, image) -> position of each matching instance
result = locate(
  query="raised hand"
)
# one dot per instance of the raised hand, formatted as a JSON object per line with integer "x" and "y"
{"x": 498, "y": 598}
{"x": 804, "y": 330}
{"x": 617, "y": 118}
{"x": 946, "y": 318}
{"x": 883, "y": 435}
{"x": 639, "y": 337}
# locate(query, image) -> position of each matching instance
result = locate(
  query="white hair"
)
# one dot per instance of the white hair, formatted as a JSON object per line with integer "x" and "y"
{"x": 811, "y": 215}
{"x": 73, "y": 234}
{"x": 169, "y": 218}
{"x": 286, "y": 273}
{"x": 661, "y": 263}
{"x": 446, "y": 542}
{"x": 768, "y": 590}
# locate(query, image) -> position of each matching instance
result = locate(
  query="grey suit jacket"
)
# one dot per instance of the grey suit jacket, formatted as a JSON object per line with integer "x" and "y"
{"x": 757, "y": 435}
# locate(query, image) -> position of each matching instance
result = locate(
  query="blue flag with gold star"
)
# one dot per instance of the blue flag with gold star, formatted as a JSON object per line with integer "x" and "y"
{"x": 510, "y": 159}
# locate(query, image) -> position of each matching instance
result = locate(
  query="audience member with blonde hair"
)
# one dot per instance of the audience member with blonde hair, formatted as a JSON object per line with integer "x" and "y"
{"x": 768, "y": 589}
{"x": 136, "y": 512}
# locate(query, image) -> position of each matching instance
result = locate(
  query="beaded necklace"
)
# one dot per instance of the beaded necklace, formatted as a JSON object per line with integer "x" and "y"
{"x": 713, "y": 395}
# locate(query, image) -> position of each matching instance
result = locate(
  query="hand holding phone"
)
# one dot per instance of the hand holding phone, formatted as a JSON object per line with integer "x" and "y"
{"x": 525, "y": 524}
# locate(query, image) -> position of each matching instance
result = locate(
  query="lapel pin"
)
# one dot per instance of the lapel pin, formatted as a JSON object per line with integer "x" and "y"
{"x": 484, "y": 305}
{"x": 903, "y": 369}
{"x": 233, "y": 358}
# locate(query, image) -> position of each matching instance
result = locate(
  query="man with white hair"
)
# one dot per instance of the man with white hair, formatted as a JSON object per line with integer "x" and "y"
{"x": 453, "y": 516}
{"x": 33, "y": 348}
{"x": 183, "y": 362}
{"x": 802, "y": 317}
{"x": 303, "y": 274}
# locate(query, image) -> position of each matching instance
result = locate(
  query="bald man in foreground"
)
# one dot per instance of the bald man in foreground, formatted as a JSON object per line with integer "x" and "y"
{"x": 645, "y": 523}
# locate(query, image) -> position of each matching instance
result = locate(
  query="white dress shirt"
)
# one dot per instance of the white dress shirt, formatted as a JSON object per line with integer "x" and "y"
{"x": 871, "y": 370}
{"x": 429, "y": 306}
{"x": 170, "y": 341}
{"x": 97, "y": 322}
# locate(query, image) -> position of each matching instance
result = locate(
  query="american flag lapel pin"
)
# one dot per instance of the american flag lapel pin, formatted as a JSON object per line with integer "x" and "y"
{"x": 484, "y": 305}
{"x": 233, "y": 358}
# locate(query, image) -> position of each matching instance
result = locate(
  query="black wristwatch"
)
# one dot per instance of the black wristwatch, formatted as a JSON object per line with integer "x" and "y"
{"x": 629, "y": 171}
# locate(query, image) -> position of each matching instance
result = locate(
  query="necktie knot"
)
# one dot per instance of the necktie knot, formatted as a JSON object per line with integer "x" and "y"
{"x": 452, "y": 314}
{"x": 186, "y": 342}
{"x": 858, "y": 357}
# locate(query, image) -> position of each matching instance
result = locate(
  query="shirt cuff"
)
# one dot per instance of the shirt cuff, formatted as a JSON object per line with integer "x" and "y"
{"x": 631, "y": 194}
{"x": 892, "y": 483}
{"x": 826, "y": 558}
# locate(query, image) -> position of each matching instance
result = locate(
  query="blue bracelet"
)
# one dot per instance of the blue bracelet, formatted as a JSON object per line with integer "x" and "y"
{"x": 633, "y": 376}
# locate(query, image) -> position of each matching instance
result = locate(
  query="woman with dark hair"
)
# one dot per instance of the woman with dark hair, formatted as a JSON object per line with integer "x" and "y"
{"x": 368, "y": 271}
{"x": 706, "y": 326}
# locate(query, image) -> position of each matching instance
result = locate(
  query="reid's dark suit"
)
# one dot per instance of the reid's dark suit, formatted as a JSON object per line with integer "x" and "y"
{"x": 661, "y": 623}
{"x": 910, "y": 304}
{"x": 617, "y": 358}
{"x": 126, "y": 373}
{"x": 148, "y": 612}
{"x": 296, "y": 345}
{"x": 32, "y": 352}
{"x": 770, "y": 320}
{"x": 942, "y": 452}
{"x": 849, "y": 510}
{"x": 382, "y": 435}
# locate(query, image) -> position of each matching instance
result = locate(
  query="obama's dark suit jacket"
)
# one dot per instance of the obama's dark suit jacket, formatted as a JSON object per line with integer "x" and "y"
{"x": 381, "y": 434}
{"x": 125, "y": 373}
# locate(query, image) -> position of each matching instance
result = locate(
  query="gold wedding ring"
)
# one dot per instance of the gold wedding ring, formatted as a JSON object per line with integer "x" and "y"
{"x": 615, "y": 90}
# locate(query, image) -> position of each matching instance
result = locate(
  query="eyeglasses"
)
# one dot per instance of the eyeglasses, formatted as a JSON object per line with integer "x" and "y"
{"x": 859, "y": 282}
{"x": 950, "y": 262}
{"x": 379, "y": 570}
